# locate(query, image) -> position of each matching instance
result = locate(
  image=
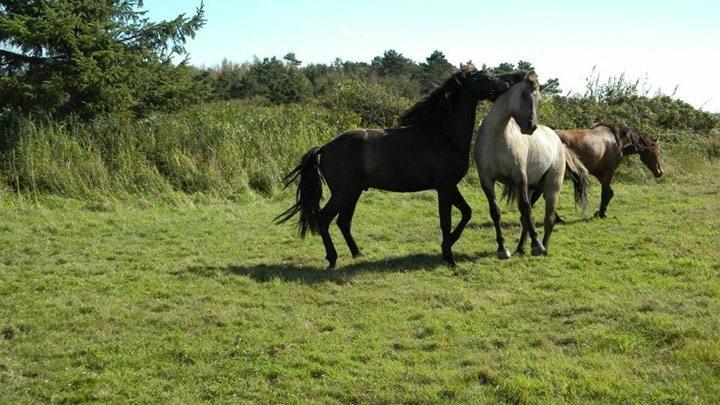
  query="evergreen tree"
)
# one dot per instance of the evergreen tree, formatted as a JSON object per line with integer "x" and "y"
{"x": 93, "y": 56}
{"x": 393, "y": 63}
{"x": 434, "y": 70}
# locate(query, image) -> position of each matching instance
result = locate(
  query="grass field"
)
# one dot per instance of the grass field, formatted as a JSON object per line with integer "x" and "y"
{"x": 205, "y": 300}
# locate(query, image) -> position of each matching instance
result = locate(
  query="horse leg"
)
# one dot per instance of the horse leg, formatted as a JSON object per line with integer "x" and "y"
{"x": 325, "y": 217}
{"x": 551, "y": 191}
{"x": 489, "y": 190}
{"x": 344, "y": 222}
{"x": 536, "y": 194}
{"x": 526, "y": 219}
{"x": 459, "y": 202}
{"x": 444, "y": 209}
{"x": 605, "y": 197}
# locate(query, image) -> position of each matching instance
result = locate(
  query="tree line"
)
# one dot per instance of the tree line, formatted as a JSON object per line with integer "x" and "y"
{"x": 92, "y": 57}
{"x": 88, "y": 58}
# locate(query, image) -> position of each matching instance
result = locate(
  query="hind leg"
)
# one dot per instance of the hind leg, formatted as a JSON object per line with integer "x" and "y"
{"x": 344, "y": 222}
{"x": 605, "y": 197}
{"x": 444, "y": 209}
{"x": 551, "y": 192}
{"x": 459, "y": 202}
{"x": 325, "y": 217}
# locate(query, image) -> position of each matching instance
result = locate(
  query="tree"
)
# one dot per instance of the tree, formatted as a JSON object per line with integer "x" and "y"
{"x": 226, "y": 80}
{"x": 93, "y": 56}
{"x": 552, "y": 86}
{"x": 291, "y": 59}
{"x": 278, "y": 82}
{"x": 502, "y": 68}
{"x": 393, "y": 63}
{"x": 525, "y": 65}
{"x": 434, "y": 70}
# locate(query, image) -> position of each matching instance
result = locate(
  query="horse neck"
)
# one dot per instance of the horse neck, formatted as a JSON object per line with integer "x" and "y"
{"x": 460, "y": 125}
{"x": 628, "y": 146}
{"x": 498, "y": 117}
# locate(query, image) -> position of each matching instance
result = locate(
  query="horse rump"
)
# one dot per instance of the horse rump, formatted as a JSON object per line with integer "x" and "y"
{"x": 309, "y": 193}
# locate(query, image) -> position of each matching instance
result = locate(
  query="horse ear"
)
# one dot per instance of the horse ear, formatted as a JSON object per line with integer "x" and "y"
{"x": 532, "y": 77}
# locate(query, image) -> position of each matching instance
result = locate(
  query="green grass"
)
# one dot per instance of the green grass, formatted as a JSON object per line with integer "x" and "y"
{"x": 202, "y": 300}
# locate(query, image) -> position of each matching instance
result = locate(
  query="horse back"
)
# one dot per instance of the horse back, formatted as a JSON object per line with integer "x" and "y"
{"x": 596, "y": 148}
{"x": 394, "y": 159}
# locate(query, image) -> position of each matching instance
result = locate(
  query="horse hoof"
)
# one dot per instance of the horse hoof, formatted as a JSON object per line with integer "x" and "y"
{"x": 357, "y": 255}
{"x": 331, "y": 265}
{"x": 520, "y": 252}
{"x": 504, "y": 254}
{"x": 600, "y": 215}
{"x": 539, "y": 250}
{"x": 449, "y": 260}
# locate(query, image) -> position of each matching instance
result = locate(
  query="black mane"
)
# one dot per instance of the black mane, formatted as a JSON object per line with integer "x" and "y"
{"x": 435, "y": 104}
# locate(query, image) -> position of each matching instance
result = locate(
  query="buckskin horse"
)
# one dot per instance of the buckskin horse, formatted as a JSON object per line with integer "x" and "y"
{"x": 523, "y": 164}
{"x": 603, "y": 148}
{"x": 429, "y": 150}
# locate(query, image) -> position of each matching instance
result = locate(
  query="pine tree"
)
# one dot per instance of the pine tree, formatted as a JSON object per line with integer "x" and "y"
{"x": 93, "y": 56}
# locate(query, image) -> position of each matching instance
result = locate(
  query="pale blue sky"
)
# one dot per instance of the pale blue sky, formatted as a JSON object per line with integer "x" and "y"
{"x": 672, "y": 42}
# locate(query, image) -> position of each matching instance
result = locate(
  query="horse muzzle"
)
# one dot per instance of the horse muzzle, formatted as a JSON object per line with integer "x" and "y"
{"x": 529, "y": 130}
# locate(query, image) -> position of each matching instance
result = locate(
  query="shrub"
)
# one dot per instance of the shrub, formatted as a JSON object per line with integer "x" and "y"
{"x": 372, "y": 102}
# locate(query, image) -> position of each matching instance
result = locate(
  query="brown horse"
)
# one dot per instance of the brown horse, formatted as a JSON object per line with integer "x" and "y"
{"x": 602, "y": 149}
{"x": 430, "y": 150}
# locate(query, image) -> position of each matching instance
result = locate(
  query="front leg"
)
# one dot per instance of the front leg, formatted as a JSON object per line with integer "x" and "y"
{"x": 444, "y": 207}
{"x": 489, "y": 189}
{"x": 605, "y": 197}
{"x": 526, "y": 218}
{"x": 536, "y": 194}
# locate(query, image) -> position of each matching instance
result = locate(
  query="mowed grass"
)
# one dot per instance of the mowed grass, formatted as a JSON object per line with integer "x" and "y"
{"x": 210, "y": 302}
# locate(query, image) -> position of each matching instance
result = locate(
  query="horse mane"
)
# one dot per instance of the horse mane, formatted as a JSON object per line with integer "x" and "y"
{"x": 435, "y": 104}
{"x": 637, "y": 140}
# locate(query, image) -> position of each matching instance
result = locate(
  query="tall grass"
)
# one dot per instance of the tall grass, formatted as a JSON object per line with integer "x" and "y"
{"x": 228, "y": 149}
{"x": 221, "y": 148}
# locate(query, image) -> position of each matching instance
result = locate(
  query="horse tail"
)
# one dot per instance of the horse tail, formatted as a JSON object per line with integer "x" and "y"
{"x": 577, "y": 173}
{"x": 308, "y": 195}
{"x": 509, "y": 192}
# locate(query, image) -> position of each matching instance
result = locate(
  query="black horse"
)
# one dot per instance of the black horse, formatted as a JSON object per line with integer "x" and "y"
{"x": 430, "y": 150}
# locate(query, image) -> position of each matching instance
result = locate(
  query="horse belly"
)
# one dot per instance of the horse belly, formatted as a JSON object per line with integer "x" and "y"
{"x": 396, "y": 175}
{"x": 543, "y": 152}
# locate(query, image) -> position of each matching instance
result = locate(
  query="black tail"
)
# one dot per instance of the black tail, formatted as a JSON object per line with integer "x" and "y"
{"x": 309, "y": 193}
{"x": 578, "y": 174}
{"x": 509, "y": 191}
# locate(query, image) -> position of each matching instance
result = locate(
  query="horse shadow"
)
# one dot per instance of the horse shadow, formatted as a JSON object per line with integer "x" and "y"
{"x": 263, "y": 273}
{"x": 516, "y": 225}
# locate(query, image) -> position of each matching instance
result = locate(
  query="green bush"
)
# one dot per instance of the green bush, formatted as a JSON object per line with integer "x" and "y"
{"x": 279, "y": 82}
{"x": 370, "y": 101}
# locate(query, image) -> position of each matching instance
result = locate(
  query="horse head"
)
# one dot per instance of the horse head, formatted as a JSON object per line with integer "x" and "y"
{"x": 649, "y": 150}
{"x": 522, "y": 98}
{"x": 486, "y": 86}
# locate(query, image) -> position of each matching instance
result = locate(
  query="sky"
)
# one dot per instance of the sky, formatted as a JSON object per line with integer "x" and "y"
{"x": 674, "y": 45}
